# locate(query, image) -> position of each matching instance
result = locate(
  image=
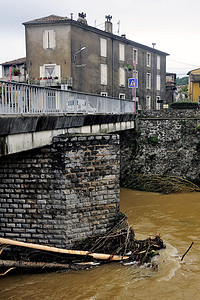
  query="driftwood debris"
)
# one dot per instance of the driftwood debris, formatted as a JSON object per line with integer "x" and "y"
{"x": 187, "y": 251}
{"x": 33, "y": 265}
{"x": 118, "y": 244}
{"x": 63, "y": 251}
{"x": 159, "y": 183}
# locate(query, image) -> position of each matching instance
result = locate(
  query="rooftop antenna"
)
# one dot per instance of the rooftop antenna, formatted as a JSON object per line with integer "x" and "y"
{"x": 118, "y": 24}
{"x": 153, "y": 44}
{"x": 82, "y": 15}
{"x": 109, "y": 18}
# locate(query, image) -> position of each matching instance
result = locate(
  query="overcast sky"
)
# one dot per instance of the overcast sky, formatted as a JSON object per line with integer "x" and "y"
{"x": 173, "y": 25}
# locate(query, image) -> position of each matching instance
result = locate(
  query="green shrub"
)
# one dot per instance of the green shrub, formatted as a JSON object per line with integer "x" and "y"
{"x": 184, "y": 105}
{"x": 153, "y": 140}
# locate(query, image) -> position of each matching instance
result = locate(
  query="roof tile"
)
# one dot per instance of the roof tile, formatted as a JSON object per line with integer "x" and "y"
{"x": 18, "y": 61}
{"x": 48, "y": 19}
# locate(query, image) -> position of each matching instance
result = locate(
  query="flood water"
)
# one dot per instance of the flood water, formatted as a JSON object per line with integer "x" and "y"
{"x": 175, "y": 217}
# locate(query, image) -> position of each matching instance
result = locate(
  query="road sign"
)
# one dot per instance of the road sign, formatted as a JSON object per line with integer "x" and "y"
{"x": 131, "y": 82}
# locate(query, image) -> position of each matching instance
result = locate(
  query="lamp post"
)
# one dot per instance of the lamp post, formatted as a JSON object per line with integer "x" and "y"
{"x": 82, "y": 49}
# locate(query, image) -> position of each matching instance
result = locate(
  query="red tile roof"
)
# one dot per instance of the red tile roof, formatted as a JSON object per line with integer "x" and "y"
{"x": 18, "y": 61}
{"x": 48, "y": 19}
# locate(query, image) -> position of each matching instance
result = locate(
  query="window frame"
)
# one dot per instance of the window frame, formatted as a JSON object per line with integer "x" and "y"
{"x": 122, "y": 78}
{"x": 49, "y": 39}
{"x": 104, "y": 74}
{"x": 104, "y": 94}
{"x": 103, "y": 47}
{"x": 123, "y": 96}
{"x": 158, "y": 82}
{"x": 121, "y": 52}
{"x": 158, "y": 62}
{"x": 148, "y": 107}
{"x": 157, "y": 103}
{"x": 148, "y": 81}
{"x": 56, "y": 71}
{"x": 135, "y": 55}
{"x": 148, "y": 59}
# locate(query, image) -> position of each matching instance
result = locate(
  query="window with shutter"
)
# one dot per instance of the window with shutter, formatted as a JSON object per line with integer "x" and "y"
{"x": 158, "y": 83}
{"x": 103, "y": 74}
{"x": 158, "y": 62}
{"x": 42, "y": 72}
{"x": 103, "y": 47}
{"x": 135, "y": 55}
{"x": 148, "y": 80}
{"x": 50, "y": 71}
{"x": 158, "y": 102}
{"x": 57, "y": 71}
{"x": 121, "y": 77}
{"x": 148, "y": 59}
{"x": 121, "y": 52}
{"x": 49, "y": 40}
{"x": 148, "y": 102}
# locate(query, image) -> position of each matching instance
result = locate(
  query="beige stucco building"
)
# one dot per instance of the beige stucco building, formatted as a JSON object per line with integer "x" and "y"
{"x": 60, "y": 50}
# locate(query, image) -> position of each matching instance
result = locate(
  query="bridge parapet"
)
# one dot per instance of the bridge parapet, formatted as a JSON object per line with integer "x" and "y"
{"x": 21, "y": 98}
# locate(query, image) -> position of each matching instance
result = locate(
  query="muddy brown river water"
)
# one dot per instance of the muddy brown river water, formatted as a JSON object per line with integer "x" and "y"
{"x": 175, "y": 217}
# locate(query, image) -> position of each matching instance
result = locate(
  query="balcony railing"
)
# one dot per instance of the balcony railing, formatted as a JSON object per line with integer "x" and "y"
{"x": 18, "y": 98}
{"x": 52, "y": 82}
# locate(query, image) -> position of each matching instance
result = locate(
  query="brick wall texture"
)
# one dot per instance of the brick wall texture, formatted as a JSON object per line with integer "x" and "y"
{"x": 62, "y": 193}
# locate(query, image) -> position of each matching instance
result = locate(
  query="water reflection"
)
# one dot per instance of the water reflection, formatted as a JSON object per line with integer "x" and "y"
{"x": 175, "y": 217}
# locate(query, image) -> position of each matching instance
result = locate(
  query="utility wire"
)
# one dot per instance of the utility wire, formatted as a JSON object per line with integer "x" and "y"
{"x": 183, "y": 63}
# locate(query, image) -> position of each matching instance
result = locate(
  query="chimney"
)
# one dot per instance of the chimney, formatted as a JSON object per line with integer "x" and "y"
{"x": 108, "y": 24}
{"x": 82, "y": 18}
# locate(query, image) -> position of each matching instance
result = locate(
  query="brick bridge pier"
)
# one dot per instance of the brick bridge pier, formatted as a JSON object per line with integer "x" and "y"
{"x": 61, "y": 192}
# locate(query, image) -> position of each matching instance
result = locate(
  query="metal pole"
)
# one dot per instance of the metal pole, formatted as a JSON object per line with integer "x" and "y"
{"x": 134, "y": 94}
{"x": 135, "y": 86}
{"x": 10, "y": 84}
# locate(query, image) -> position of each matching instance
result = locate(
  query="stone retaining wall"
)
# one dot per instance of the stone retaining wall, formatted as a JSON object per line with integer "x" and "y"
{"x": 165, "y": 142}
{"x": 61, "y": 193}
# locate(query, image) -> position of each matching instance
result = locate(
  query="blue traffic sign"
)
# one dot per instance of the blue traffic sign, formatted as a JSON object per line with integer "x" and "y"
{"x": 131, "y": 82}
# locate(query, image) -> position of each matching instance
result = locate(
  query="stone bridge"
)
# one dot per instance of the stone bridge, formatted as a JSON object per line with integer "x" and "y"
{"x": 59, "y": 170}
{"x": 20, "y": 133}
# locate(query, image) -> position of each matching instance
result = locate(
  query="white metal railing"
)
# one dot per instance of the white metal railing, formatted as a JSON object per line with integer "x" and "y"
{"x": 20, "y": 98}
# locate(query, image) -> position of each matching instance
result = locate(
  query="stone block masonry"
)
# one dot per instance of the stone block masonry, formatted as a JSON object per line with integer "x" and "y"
{"x": 60, "y": 193}
{"x": 166, "y": 142}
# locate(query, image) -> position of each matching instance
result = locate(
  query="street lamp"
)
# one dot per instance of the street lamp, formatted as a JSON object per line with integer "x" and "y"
{"x": 82, "y": 49}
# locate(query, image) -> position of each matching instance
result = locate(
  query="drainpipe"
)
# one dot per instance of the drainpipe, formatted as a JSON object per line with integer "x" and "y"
{"x": 113, "y": 89}
{"x": 154, "y": 79}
